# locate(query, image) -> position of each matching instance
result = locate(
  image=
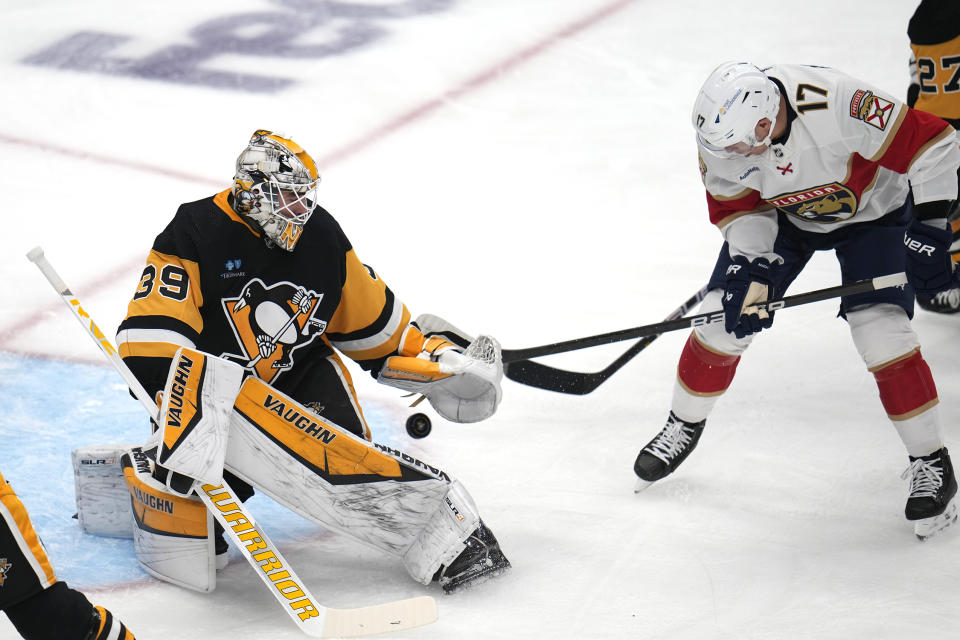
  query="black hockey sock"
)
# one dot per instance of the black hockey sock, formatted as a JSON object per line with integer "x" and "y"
{"x": 56, "y": 613}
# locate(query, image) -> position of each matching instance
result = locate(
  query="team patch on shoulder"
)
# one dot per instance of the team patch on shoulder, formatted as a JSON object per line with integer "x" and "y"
{"x": 828, "y": 203}
{"x": 870, "y": 108}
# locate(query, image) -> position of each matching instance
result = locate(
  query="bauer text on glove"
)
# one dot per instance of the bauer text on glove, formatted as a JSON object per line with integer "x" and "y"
{"x": 748, "y": 283}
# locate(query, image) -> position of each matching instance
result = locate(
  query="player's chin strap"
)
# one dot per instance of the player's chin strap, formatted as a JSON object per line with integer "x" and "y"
{"x": 311, "y": 617}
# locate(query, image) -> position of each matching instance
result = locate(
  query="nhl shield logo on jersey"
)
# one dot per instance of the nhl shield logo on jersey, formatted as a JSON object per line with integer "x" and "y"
{"x": 826, "y": 204}
{"x": 870, "y": 108}
{"x": 4, "y": 568}
{"x": 270, "y": 323}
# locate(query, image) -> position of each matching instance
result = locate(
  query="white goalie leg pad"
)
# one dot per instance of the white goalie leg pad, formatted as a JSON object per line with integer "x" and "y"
{"x": 441, "y": 541}
{"x": 373, "y": 493}
{"x": 172, "y": 534}
{"x": 103, "y": 502}
{"x": 195, "y": 416}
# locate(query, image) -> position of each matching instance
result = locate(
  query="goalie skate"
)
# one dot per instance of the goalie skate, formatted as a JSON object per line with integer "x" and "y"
{"x": 480, "y": 560}
{"x": 933, "y": 486}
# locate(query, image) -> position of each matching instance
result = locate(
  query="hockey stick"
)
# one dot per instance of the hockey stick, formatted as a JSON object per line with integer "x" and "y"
{"x": 310, "y": 616}
{"x": 541, "y": 376}
{"x": 860, "y": 286}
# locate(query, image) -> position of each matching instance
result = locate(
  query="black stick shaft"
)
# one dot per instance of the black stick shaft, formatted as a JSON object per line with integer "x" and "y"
{"x": 541, "y": 376}
{"x": 860, "y": 286}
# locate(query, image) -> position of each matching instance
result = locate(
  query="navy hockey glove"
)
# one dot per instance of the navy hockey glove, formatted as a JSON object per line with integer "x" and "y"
{"x": 747, "y": 284}
{"x": 929, "y": 266}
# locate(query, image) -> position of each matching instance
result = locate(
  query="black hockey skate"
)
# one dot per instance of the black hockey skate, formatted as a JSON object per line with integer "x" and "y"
{"x": 933, "y": 486}
{"x": 664, "y": 453}
{"x": 944, "y": 302}
{"x": 481, "y": 560}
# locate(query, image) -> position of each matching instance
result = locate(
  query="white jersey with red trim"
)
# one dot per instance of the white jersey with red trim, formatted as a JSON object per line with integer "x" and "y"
{"x": 850, "y": 154}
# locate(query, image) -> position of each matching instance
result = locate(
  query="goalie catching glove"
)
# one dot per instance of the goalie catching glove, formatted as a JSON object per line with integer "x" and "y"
{"x": 461, "y": 385}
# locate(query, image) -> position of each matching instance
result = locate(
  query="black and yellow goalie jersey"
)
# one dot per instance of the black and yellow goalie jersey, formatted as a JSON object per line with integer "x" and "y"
{"x": 212, "y": 284}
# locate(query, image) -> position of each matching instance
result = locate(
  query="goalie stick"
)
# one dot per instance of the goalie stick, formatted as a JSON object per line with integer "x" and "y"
{"x": 541, "y": 376}
{"x": 307, "y": 613}
{"x": 860, "y": 286}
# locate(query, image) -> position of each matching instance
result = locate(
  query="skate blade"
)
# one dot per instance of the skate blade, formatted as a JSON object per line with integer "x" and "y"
{"x": 930, "y": 527}
{"x": 642, "y": 485}
{"x": 467, "y": 585}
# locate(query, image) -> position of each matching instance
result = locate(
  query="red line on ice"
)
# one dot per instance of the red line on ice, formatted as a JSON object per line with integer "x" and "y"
{"x": 9, "y": 334}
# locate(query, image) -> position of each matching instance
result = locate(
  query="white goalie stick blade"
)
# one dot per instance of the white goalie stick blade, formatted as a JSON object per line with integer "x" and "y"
{"x": 310, "y": 616}
{"x": 930, "y": 527}
{"x": 380, "y": 618}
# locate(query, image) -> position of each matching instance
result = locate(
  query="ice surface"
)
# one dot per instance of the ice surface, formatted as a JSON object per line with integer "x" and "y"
{"x": 525, "y": 169}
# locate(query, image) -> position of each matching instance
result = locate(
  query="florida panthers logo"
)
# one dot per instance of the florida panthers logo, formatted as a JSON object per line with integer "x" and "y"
{"x": 826, "y": 204}
{"x": 4, "y": 568}
{"x": 871, "y": 108}
{"x": 270, "y": 323}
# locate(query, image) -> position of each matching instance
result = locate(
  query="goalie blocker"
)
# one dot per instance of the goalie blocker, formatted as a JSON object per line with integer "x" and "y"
{"x": 373, "y": 493}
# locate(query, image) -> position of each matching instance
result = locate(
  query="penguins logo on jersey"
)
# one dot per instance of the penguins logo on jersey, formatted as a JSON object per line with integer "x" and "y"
{"x": 826, "y": 204}
{"x": 4, "y": 568}
{"x": 870, "y": 108}
{"x": 270, "y": 323}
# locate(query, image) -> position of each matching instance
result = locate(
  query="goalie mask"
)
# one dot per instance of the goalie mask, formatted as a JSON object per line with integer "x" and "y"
{"x": 734, "y": 98}
{"x": 275, "y": 186}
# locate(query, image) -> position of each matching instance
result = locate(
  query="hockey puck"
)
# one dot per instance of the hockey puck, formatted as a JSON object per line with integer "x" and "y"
{"x": 418, "y": 425}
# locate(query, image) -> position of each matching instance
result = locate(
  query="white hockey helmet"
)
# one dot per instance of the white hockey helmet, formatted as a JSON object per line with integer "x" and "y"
{"x": 734, "y": 98}
{"x": 275, "y": 185}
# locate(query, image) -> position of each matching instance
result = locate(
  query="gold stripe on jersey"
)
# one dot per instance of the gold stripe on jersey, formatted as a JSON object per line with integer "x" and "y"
{"x": 742, "y": 194}
{"x": 307, "y": 435}
{"x": 147, "y": 349}
{"x": 18, "y": 521}
{"x": 387, "y": 341}
{"x": 891, "y": 135}
{"x": 163, "y": 512}
{"x": 155, "y": 297}
{"x": 111, "y": 628}
{"x": 363, "y": 302}
{"x": 938, "y": 94}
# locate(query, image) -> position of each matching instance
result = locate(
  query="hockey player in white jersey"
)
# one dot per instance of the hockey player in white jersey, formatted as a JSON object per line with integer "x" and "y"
{"x": 797, "y": 159}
